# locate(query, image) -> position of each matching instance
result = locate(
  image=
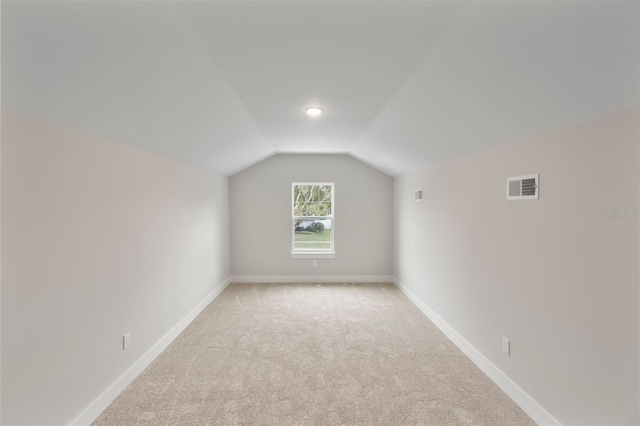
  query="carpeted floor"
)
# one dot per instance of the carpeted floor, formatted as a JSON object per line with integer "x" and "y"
{"x": 312, "y": 354}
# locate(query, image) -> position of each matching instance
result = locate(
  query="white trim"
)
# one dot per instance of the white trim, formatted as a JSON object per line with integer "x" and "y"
{"x": 103, "y": 401}
{"x": 312, "y": 279}
{"x": 313, "y": 255}
{"x": 519, "y": 396}
{"x": 330, "y": 217}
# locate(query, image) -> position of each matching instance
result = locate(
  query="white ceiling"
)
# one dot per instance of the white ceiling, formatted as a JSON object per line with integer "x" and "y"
{"x": 404, "y": 85}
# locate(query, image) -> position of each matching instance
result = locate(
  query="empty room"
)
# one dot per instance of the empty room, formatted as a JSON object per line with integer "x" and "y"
{"x": 320, "y": 213}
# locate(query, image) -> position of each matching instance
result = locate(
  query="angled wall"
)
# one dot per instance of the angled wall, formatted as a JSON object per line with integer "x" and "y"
{"x": 99, "y": 239}
{"x": 260, "y": 200}
{"x": 558, "y": 276}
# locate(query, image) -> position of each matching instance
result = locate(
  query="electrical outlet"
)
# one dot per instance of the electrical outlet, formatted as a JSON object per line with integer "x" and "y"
{"x": 126, "y": 341}
{"x": 315, "y": 263}
{"x": 213, "y": 275}
{"x": 506, "y": 346}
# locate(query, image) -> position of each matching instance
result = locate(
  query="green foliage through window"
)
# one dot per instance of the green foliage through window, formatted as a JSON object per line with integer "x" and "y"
{"x": 312, "y": 217}
{"x": 312, "y": 200}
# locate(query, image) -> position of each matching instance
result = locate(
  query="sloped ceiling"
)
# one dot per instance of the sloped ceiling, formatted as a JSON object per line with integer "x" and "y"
{"x": 405, "y": 85}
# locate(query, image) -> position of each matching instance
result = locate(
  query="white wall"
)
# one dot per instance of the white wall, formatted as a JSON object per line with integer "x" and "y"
{"x": 99, "y": 239}
{"x": 555, "y": 275}
{"x": 260, "y": 199}
{"x": 0, "y": 274}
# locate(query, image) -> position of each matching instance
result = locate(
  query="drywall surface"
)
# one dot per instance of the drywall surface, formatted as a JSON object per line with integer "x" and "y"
{"x": 557, "y": 276}
{"x": 261, "y": 224}
{"x": 0, "y": 272}
{"x": 99, "y": 239}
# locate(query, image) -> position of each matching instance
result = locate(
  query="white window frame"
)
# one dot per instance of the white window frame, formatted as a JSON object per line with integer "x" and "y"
{"x": 315, "y": 253}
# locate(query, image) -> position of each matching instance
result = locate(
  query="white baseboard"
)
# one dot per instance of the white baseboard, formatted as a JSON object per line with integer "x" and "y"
{"x": 519, "y": 396}
{"x": 312, "y": 279}
{"x": 103, "y": 401}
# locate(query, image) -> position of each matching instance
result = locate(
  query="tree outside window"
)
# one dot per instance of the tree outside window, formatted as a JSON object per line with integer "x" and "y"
{"x": 313, "y": 217}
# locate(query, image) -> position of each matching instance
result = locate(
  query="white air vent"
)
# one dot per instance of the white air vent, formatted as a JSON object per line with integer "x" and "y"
{"x": 417, "y": 195}
{"x": 523, "y": 187}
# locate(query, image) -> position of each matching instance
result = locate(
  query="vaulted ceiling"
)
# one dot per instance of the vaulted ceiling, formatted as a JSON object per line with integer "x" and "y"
{"x": 404, "y": 85}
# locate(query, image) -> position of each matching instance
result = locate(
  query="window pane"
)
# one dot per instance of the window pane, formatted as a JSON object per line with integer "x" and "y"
{"x": 312, "y": 234}
{"x": 312, "y": 209}
{"x": 312, "y": 200}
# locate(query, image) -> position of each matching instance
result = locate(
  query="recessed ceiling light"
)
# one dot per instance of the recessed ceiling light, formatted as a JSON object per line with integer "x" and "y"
{"x": 313, "y": 111}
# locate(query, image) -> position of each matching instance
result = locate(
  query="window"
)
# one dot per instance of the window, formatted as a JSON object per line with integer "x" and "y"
{"x": 312, "y": 220}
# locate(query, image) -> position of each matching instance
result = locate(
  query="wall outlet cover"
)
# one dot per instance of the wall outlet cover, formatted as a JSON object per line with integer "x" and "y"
{"x": 506, "y": 346}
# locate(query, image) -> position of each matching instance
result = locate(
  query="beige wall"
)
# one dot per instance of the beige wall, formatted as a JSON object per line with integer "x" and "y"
{"x": 99, "y": 239}
{"x": 555, "y": 275}
{"x": 1, "y": 269}
{"x": 260, "y": 199}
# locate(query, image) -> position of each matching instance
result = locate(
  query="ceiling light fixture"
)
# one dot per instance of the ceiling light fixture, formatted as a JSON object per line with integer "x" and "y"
{"x": 313, "y": 111}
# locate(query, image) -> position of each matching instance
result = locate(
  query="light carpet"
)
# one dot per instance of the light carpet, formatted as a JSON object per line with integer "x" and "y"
{"x": 312, "y": 354}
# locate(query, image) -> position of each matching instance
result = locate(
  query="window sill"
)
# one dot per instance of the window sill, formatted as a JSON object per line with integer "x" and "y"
{"x": 313, "y": 255}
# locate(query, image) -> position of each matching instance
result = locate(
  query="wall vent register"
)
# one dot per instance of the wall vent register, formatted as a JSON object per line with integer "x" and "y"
{"x": 523, "y": 187}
